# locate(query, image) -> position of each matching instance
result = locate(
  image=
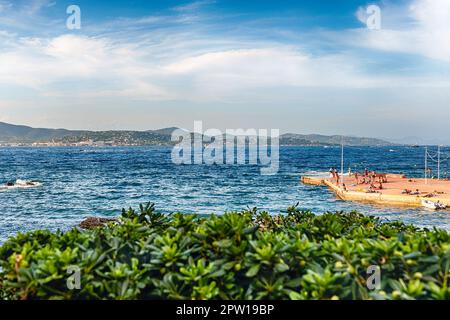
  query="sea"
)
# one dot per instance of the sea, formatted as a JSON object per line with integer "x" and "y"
{"x": 77, "y": 182}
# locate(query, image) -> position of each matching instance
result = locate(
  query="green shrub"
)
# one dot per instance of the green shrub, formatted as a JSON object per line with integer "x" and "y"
{"x": 245, "y": 255}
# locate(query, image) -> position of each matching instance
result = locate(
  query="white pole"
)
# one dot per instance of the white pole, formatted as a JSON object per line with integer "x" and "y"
{"x": 439, "y": 162}
{"x": 426, "y": 164}
{"x": 342, "y": 159}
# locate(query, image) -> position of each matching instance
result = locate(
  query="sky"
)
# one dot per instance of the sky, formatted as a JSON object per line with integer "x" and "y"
{"x": 297, "y": 66}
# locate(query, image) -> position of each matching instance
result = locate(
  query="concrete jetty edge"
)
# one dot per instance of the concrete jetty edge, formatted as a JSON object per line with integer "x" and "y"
{"x": 376, "y": 198}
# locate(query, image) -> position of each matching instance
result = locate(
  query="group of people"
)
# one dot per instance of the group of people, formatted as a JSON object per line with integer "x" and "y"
{"x": 410, "y": 192}
{"x": 372, "y": 178}
{"x": 417, "y": 193}
{"x": 334, "y": 174}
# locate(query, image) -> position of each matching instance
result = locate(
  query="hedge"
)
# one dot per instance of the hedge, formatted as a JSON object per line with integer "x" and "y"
{"x": 241, "y": 255}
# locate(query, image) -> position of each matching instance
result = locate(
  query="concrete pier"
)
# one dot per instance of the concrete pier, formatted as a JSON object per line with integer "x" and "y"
{"x": 392, "y": 191}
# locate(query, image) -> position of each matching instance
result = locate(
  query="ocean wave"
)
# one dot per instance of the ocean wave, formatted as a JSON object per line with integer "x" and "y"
{"x": 317, "y": 173}
{"x": 322, "y": 173}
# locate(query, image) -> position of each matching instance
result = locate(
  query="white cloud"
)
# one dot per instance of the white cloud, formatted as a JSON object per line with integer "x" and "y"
{"x": 184, "y": 63}
{"x": 28, "y": 16}
{"x": 193, "y": 6}
{"x": 5, "y": 6}
{"x": 188, "y": 65}
{"x": 117, "y": 68}
{"x": 361, "y": 15}
{"x": 202, "y": 69}
{"x": 271, "y": 67}
{"x": 433, "y": 31}
{"x": 426, "y": 33}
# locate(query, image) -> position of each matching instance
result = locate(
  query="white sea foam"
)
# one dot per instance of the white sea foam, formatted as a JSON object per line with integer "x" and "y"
{"x": 21, "y": 184}
{"x": 313, "y": 173}
{"x": 317, "y": 173}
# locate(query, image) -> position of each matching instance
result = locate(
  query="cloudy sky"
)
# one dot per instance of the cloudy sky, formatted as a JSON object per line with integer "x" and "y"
{"x": 300, "y": 66}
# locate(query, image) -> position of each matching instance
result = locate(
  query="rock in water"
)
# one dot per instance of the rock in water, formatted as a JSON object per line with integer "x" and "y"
{"x": 95, "y": 222}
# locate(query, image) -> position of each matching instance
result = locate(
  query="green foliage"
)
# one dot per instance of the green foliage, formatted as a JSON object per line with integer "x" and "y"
{"x": 242, "y": 255}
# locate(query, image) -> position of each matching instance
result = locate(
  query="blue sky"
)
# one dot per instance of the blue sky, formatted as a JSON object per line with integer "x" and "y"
{"x": 300, "y": 66}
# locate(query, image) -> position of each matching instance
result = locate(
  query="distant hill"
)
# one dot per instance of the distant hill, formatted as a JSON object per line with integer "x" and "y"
{"x": 10, "y": 133}
{"x": 423, "y": 141}
{"x": 296, "y": 139}
{"x": 17, "y": 133}
{"x": 164, "y": 131}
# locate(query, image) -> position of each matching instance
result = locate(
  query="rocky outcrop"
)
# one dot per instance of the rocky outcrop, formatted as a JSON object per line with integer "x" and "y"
{"x": 95, "y": 222}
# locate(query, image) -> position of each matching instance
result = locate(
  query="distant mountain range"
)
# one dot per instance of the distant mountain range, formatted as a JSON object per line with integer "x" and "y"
{"x": 17, "y": 134}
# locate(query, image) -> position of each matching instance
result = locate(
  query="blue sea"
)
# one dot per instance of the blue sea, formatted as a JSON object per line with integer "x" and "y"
{"x": 80, "y": 182}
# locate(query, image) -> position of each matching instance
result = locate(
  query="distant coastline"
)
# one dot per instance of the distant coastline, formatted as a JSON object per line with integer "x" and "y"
{"x": 23, "y": 136}
{"x": 105, "y": 145}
